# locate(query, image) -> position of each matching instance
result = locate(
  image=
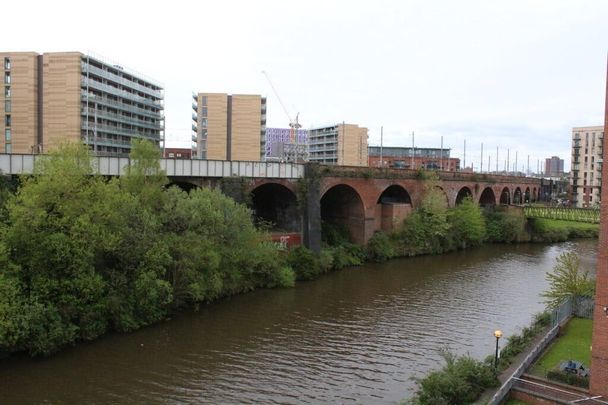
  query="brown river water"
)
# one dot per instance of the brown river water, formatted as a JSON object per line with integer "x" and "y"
{"x": 358, "y": 335}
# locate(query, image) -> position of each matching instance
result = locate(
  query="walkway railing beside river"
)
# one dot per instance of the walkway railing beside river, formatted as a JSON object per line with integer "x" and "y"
{"x": 582, "y": 307}
{"x": 566, "y": 214}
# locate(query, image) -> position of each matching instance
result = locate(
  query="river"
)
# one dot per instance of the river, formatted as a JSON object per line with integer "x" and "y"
{"x": 354, "y": 336}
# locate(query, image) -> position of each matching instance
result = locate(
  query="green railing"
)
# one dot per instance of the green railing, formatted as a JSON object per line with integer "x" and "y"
{"x": 566, "y": 214}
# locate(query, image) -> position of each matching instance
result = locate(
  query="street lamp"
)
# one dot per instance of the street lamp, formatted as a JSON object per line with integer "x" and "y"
{"x": 497, "y": 335}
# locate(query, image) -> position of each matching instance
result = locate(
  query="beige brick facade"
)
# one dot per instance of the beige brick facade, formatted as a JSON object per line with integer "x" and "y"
{"x": 62, "y": 97}
{"x": 586, "y": 170}
{"x": 229, "y": 127}
{"x": 18, "y": 102}
{"x": 341, "y": 144}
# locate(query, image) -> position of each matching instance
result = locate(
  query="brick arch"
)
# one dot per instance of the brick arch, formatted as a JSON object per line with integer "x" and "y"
{"x": 527, "y": 197}
{"x": 393, "y": 205}
{"x": 291, "y": 185}
{"x": 534, "y": 195}
{"x": 276, "y": 204}
{"x": 517, "y": 196}
{"x": 342, "y": 205}
{"x": 487, "y": 197}
{"x": 463, "y": 193}
{"x": 445, "y": 194}
{"x": 505, "y": 196}
{"x": 395, "y": 193}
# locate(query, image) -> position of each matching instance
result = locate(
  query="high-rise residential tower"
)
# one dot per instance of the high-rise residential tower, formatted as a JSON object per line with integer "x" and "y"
{"x": 586, "y": 170}
{"x": 56, "y": 97}
{"x": 229, "y": 127}
{"x": 554, "y": 167}
{"x": 340, "y": 144}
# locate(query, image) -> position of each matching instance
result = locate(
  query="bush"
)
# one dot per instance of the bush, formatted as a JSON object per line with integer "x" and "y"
{"x": 380, "y": 247}
{"x": 304, "y": 263}
{"x": 505, "y": 225}
{"x": 461, "y": 381}
{"x": 346, "y": 255}
{"x": 568, "y": 378}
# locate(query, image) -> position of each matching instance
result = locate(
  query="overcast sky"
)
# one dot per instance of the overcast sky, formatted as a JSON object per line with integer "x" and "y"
{"x": 515, "y": 75}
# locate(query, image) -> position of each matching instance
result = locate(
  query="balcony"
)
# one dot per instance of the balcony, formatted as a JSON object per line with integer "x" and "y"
{"x": 121, "y": 80}
{"x": 131, "y": 108}
{"x": 194, "y": 128}
{"x": 195, "y": 107}
{"x": 120, "y": 93}
{"x": 115, "y": 130}
{"x": 120, "y": 118}
{"x": 194, "y": 138}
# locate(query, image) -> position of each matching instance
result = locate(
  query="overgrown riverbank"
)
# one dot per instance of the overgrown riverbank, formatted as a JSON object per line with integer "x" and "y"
{"x": 81, "y": 255}
{"x": 433, "y": 228}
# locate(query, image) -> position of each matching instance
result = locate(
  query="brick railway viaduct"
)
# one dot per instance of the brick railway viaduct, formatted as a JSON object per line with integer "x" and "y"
{"x": 296, "y": 198}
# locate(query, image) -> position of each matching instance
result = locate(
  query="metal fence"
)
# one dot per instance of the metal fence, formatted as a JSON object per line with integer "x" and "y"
{"x": 566, "y": 214}
{"x": 579, "y": 306}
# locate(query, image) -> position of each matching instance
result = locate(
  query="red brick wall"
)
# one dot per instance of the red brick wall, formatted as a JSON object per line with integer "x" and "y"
{"x": 599, "y": 352}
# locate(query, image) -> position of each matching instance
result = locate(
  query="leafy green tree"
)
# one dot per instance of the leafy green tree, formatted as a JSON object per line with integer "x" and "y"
{"x": 568, "y": 280}
{"x": 426, "y": 229}
{"x": 144, "y": 177}
{"x": 468, "y": 225}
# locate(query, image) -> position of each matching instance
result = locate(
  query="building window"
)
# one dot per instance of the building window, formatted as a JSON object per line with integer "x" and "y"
{"x": 7, "y": 77}
{"x": 7, "y": 63}
{"x": 7, "y": 106}
{"x": 204, "y": 122}
{"x": 7, "y": 120}
{"x": 8, "y": 148}
{"x": 204, "y": 112}
{"x": 7, "y": 91}
{"x": 7, "y": 134}
{"x": 204, "y": 100}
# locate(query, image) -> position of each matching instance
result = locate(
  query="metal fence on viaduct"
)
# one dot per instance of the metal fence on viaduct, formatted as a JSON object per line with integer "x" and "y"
{"x": 297, "y": 198}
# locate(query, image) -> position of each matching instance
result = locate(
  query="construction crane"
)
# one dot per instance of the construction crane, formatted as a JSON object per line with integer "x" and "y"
{"x": 293, "y": 124}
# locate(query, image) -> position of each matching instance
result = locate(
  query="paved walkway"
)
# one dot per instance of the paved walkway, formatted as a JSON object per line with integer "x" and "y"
{"x": 506, "y": 374}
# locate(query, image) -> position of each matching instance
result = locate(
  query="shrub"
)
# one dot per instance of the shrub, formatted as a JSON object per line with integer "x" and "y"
{"x": 505, "y": 225}
{"x": 461, "y": 381}
{"x": 568, "y": 378}
{"x": 380, "y": 247}
{"x": 304, "y": 263}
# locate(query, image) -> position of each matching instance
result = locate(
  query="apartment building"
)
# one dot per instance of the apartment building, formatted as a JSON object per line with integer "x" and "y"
{"x": 56, "y": 97}
{"x": 554, "y": 167}
{"x": 412, "y": 158}
{"x": 586, "y": 169}
{"x": 228, "y": 127}
{"x": 340, "y": 144}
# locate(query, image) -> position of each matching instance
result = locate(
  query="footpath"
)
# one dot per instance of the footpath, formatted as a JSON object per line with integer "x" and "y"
{"x": 508, "y": 372}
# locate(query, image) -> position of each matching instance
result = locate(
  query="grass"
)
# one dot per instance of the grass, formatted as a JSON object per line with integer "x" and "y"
{"x": 574, "y": 344}
{"x": 553, "y": 230}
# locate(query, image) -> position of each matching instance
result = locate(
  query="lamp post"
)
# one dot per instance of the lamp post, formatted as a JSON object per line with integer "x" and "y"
{"x": 497, "y": 335}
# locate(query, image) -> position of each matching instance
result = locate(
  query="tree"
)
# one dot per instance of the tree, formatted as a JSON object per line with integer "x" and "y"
{"x": 426, "y": 229}
{"x": 144, "y": 177}
{"x": 468, "y": 225}
{"x": 568, "y": 280}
